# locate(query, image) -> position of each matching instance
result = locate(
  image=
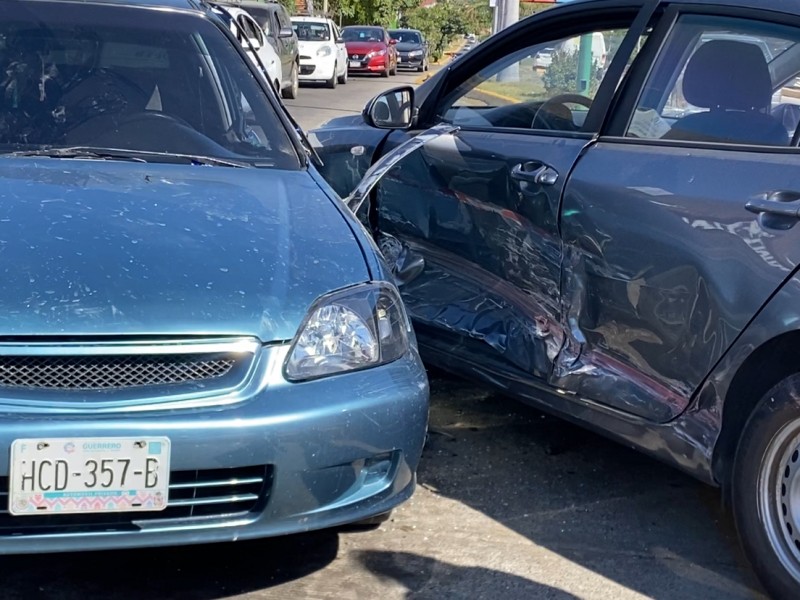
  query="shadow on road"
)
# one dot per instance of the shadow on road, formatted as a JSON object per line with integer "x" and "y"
{"x": 602, "y": 506}
{"x": 190, "y": 573}
{"x": 428, "y": 578}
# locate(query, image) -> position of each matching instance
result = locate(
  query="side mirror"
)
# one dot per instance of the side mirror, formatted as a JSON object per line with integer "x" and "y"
{"x": 393, "y": 109}
{"x": 340, "y": 40}
{"x": 392, "y": 42}
{"x": 285, "y": 32}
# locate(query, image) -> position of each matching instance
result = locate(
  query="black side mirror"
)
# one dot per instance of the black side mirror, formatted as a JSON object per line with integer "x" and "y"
{"x": 393, "y": 109}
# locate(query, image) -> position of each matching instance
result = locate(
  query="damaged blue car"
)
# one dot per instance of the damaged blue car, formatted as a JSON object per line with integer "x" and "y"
{"x": 198, "y": 341}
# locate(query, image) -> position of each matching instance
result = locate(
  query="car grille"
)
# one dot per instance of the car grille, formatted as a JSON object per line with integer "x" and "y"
{"x": 358, "y": 56}
{"x": 307, "y": 69}
{"x": 102, "y": 372}
{"x": 303, "y": 57}
{"x": 193, "y": 495}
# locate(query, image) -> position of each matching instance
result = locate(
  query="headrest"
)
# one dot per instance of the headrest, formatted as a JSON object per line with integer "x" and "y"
{"x": 728, "y": 74}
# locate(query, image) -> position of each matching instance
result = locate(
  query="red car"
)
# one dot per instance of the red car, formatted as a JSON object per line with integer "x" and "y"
{"x": 370, "y": 50}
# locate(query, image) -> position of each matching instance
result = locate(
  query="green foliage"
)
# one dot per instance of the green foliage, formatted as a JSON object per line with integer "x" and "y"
{"x": 289, "y": 5}
{"x": 447, "y": 20}
{"x": 561, "y": 77}
{"x": 368, "y": 12}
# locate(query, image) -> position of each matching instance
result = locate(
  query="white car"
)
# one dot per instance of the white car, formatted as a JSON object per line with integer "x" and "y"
{"x": 245, "y": 28}
{"x": 323, "y": 55}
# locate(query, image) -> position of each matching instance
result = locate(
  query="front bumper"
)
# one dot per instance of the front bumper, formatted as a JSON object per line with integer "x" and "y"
{"x": 377, "y": 64}
{"x": 335, "y": 451}
{"x": 410, "y": 62}
{"x": 316, "y": 69}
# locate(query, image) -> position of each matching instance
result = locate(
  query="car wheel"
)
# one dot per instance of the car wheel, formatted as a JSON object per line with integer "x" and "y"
{"x": 394, "y": 70}
{"x": 421, "y": 68}
{"x": 292, "y": 91}
{"x": 766, "y": 489}
{"x": 331, "y": 83}
{"x": 343, "y": 77}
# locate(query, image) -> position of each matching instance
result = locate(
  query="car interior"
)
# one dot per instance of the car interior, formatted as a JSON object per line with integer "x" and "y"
{"x": 128, "y": 88}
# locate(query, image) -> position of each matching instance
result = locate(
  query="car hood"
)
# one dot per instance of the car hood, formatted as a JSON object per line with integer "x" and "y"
{"x": 364, "y": 47}
{"x": 310, "y": 47}
{"x": 110, "y": 248}
{"x": 408, "y": 46}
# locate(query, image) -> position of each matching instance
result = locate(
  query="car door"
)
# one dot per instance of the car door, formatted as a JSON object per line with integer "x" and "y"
{"x": 681, "y": 221}
{"x": 481, "y": 208}
{"x": 341, "y": 49}
{"x": 287, "y": 45}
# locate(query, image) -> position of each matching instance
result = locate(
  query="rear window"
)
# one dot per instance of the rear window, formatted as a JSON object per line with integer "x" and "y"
{"x": 122, "y": 77}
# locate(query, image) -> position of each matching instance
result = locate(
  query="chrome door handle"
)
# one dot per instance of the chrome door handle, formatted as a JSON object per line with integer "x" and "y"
{"x": 780, "y": 203}
{"x": 535, "y": 172}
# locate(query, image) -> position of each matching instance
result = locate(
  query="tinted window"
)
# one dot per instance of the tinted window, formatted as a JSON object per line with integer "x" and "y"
{"x": 408, "y": 37}
{"x": 262, "y": 17}
{"x": 362, "y": 34}
{"x": 116, "y": 77}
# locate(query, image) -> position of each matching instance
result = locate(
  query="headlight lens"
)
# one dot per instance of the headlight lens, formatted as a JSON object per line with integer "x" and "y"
{"x": 415, "y": 53}
{"x": 324, "y": 51}
{"x": 376, "y": 53}
{"x": 356, "y": 328}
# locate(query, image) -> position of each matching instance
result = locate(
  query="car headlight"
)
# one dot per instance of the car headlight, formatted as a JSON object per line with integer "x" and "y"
{"x": 324, "y": 51}
{"x": 376, "y": 53}
{"x": 415, "y": 53}
{"x": 356, "y": 328}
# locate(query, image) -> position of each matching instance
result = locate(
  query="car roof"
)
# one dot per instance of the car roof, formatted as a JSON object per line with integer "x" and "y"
{"x": 306, "y": 19}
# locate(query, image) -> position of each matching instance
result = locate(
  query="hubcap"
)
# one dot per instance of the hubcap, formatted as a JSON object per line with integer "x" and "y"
{"x": 779, "y": 496}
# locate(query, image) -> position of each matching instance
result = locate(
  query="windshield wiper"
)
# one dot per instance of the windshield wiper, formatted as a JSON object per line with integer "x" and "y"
{"x": 77, "y": 152}
{"x": 88, "y": 152}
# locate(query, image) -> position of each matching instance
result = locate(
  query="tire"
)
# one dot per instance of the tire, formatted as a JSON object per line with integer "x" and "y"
{"x": 343, "y": 78}
{"x": 293, "y": 90}
{"x": 421, "y": 68}
{"x": 393, "y": 71}
{"x": 331, "y": 83}
{"x": 765, "y": 484}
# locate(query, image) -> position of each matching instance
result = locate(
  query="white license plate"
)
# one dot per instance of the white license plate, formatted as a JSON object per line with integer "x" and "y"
{"x": 88, "y": 475}
{"x": 355, "y": 64}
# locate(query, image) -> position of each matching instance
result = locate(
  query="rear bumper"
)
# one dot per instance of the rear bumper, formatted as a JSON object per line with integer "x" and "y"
{"x": 335, "y": 450}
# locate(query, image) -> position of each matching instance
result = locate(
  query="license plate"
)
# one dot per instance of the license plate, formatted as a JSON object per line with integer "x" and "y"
{"x": 88, "y": 475}
{"x": 354, "y": 64}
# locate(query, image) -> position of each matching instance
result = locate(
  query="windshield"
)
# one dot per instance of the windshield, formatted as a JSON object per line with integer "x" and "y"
{"x": 406, "y": 37}
{"x": 362, "y": 34}
{"x": 74, "y": 74}
{"x": 311, "y": 32}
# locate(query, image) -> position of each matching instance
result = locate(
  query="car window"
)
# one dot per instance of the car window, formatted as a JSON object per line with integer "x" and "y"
{"x": 251, "y": 30}
{"x": 311, "y": 31}
{"x": 261, "y": 16}
{"x": 546, "y": 86}
{"x": 723, "y": 80}
{"x": 362, "y": 34}
{"x": 112, "y": 77}
{"x": 283, "y": 17}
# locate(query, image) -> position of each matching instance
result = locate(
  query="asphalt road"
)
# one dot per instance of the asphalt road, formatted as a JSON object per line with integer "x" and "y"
{"x": 316, "y": 104}
{"x": 511, "y": 504}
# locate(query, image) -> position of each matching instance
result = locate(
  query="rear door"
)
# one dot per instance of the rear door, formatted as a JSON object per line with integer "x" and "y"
{"x": 481, "y": 209}
{"x": 681, "y": 221}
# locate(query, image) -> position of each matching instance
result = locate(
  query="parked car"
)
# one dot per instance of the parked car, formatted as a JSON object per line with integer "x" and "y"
{"x": 252, "y": 39}
{"x": 585, "y": 250}
{"x": 198, "y": 342}
{"x": 323, "y": 55}
{"x": 412, "y": 49}
{"x": 277, "y": 25}
{"x": 370, "y": 50}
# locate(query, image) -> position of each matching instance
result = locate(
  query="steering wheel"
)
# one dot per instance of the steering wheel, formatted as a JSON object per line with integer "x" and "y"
{"x": 557, "y": 106}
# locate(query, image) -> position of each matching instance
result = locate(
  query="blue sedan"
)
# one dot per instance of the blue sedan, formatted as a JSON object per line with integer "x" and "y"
{"x": 198, "y": 341}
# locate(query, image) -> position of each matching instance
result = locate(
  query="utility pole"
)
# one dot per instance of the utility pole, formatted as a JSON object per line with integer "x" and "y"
{"x": 507, "y": 14}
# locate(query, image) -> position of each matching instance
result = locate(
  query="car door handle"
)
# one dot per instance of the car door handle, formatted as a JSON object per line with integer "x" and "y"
{"x": 535, "y": 172}
{"x": 780, "y": 203}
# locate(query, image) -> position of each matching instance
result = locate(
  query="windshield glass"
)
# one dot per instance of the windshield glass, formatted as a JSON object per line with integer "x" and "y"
{"x": 406, "y": 37}
{"x": 362, "y": 34}
{"x": 74, "y": 74}
{"x": 311, "y": 32}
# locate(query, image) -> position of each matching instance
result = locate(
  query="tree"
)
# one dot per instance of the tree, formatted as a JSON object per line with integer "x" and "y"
{"x": 446, "y": 20}
{"x": 370, "y": 12}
